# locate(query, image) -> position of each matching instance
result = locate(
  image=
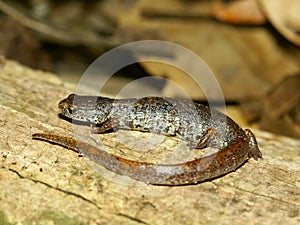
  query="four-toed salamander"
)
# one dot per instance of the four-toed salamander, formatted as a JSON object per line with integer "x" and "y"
{"x": 197, "y": 124}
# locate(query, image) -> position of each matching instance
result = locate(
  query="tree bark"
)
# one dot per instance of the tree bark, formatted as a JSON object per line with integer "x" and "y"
{"x": 42, "y": 183}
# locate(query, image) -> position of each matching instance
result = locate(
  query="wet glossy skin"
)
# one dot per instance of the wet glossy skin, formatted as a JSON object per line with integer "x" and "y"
{"x": 194, "y": 123}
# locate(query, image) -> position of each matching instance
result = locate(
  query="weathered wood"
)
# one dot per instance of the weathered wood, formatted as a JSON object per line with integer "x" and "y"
{"x": 42, "y": 183}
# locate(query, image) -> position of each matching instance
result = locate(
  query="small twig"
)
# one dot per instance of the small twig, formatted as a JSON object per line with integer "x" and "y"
{"x": 54, "y": 33}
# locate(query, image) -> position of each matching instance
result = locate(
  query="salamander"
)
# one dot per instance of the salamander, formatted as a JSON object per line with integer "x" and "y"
{"x": 199, "y": 125}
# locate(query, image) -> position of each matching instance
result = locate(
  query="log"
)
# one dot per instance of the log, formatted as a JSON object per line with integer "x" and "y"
{"x": 43, "y": 183}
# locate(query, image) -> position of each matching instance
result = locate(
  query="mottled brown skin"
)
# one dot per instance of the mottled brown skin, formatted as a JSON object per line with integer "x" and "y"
{"x": 235, "y": 145}
{"x": 191, "y": 172}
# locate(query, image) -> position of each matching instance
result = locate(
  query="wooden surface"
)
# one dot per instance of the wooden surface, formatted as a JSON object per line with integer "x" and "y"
{"x": 46, "y": 184}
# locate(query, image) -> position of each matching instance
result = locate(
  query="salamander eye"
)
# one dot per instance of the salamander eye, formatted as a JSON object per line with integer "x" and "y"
{"x": 72, "y": 109}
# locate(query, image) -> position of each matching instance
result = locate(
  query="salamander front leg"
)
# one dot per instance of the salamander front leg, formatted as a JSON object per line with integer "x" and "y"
{"x": 103, "y": 127}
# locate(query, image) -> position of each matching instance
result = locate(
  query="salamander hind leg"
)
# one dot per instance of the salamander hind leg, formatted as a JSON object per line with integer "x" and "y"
{"x": 254, "y": 151}
{"x": 203, "y": 140}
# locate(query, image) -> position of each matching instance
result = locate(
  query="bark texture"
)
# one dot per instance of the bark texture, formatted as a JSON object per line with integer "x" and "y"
{"x": 42, "y": 183}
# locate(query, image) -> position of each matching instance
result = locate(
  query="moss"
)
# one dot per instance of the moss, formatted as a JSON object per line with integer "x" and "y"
{"x": 3, "y": 219}
{"x": 55, "y": 217}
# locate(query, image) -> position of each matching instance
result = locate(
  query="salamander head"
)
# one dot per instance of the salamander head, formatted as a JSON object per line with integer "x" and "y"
{"x": 84, "y": 108}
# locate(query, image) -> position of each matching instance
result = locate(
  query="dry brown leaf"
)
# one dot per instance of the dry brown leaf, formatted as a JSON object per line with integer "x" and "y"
{"x": 285, "y": 17}
{"x": 238, "y": 12}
